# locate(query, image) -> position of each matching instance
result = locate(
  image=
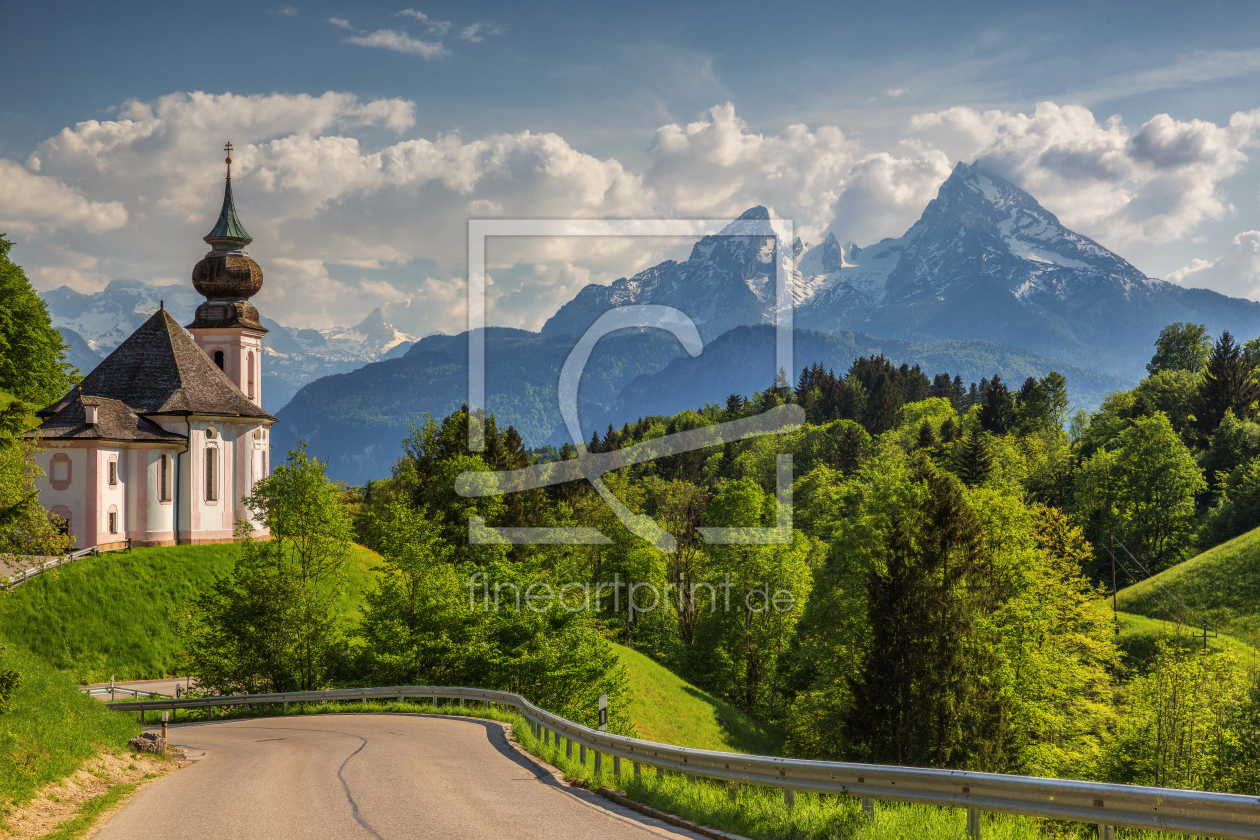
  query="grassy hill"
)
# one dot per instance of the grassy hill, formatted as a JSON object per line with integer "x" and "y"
{"x": 667, "y": 709}
{"x": 113, "y": 614}
{"x": 1221, "y": 585}
{"x": 51, "y": 729}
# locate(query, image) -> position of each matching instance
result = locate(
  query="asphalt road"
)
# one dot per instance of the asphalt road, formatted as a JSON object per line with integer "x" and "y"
{"x": 382, "y": 776}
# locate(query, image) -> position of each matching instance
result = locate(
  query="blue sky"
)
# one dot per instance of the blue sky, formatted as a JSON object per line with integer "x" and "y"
{"x": 368, "y": 133}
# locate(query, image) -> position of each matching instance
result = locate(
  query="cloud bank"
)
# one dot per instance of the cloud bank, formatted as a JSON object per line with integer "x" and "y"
{"x": 349, "y": 213}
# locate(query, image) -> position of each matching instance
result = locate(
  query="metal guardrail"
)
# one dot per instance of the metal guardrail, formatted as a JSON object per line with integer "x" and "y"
{"x": 1108, "y": 805}
{"x": 94, "y": 691}
{"x": 48, "y": 565}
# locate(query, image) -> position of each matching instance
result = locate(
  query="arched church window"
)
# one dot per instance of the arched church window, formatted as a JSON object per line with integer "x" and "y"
{"x": 212, "y": 473}
{"x": 218, "y": 358}
{"x": 164, "y": 477}
{"x": 250, "y": 365}
{"x": 113, "y": 519}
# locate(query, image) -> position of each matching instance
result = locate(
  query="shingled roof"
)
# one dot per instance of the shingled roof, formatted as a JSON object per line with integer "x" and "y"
{"x": 160, "y": 370}
{"x": 115, "y": 420}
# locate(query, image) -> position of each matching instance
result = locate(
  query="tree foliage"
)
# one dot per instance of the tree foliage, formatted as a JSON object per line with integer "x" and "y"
{"x": 1181, "y": 347}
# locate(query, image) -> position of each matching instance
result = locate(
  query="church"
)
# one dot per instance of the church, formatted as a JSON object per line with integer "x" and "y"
{"x": 160, "y": 443}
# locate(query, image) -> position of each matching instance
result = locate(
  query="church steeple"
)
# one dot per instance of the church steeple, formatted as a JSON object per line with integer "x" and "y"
{"x": 228, "y": 231}
{"x": 226, "y": 325}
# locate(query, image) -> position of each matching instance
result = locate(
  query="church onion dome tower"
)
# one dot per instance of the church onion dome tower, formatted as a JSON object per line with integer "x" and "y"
{"x": 227, "y": 276}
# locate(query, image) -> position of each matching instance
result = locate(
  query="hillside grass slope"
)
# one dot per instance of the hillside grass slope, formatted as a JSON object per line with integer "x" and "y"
{"x": 1221, "y": 585}
{"x": 667, "y": 709}
{"x": 115, "y": 614}
{"x": 51, "y": 729}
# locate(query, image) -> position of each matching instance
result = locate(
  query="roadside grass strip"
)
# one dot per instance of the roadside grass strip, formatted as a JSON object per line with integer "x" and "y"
{"x": 753, "y": 811}
{"x": 90, "y": 812}
{"x": 52, "y": 730}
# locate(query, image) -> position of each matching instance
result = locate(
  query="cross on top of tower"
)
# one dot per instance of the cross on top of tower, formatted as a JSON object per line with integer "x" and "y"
{"x": 227, "y": 147}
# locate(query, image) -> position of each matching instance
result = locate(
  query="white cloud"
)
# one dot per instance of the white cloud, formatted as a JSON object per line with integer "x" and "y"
{"x": 437, "y": 27}
{"x": 392, "y": 39}
{"x": 344, "y": 222}
{"x": 341, "y": 23}
{"x": 1235, "y": 273}
{"x": 896, "y": 92}
{"x": 31, "y": 203}
{"x": 1116, "y": 185}
{"x": 479, "y": 31}
{"x": 1186, "y": 71}
{"x": 289, "y": 11}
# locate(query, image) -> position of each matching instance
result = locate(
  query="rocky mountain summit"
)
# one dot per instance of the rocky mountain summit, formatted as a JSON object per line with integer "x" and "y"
{"x": 984, "y": 262}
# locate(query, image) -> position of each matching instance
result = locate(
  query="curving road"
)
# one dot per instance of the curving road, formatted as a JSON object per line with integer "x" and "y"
{"x": 371, "y": 776}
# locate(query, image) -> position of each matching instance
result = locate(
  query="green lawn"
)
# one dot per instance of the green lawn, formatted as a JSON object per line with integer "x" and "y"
{"x": 51, "y": 729}
{"x": 667, "y": 709}
{"x": 113, "y": 614}
{"x": 1139, "y": 637}
{"x": 1221, "y": 585}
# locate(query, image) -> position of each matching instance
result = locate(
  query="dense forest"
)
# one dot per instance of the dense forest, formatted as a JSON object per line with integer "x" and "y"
{"x": 947, "y": 567}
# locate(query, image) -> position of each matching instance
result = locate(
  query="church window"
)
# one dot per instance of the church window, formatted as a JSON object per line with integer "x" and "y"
{"x": 164, "y": 477}
{"x": 212, "y": 473}
{"x": 61, "y": 469}
{"x": 113, "y": 519}
{"x": 113, "y": 472}
{"x": 218, "y": 358}
{"x": 250, "y": 365}
{"x": 61, "y": 519}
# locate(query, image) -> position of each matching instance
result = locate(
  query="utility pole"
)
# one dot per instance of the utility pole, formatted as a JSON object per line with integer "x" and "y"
{"x": 1115, "y": 610}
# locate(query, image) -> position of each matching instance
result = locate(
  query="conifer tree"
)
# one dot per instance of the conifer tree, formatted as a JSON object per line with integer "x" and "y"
{"x": 924, "y": 695}
{"x": 997, "y": 415}
{"x": 1227, "y": 385}
{"x": 973, "y": 459}
{"x": 927, "y": 438}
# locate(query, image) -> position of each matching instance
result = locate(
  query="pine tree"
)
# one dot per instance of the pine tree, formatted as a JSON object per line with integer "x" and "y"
{"x": 973, "y": 459}
{"x": 997, "y": 415}
{"x": 927, "y": 438}
{"x": 973, "y": 396}
{"x": 949, "y": 430}
{"x": 594, "y": 445}
{"x": 1227, "y": 385}
{"x": 734, "y": 405}
{"x": 924, "y": 695}
{"x": 851, "y": 449}
{"x": 959, "y": 398}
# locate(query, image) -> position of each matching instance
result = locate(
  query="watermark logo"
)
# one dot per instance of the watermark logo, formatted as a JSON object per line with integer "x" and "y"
{"x": 593, "y": 466}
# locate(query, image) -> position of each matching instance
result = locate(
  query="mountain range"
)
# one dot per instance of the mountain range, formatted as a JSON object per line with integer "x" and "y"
{"x": 986, "y": 281}
{"x": 94, "y": 324}
{"x": 985, "y": 261}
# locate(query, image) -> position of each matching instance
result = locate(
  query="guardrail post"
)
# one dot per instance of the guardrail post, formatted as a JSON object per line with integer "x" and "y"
{"x": 1106, "y": 832}
{"x": 617, "y": 766}
{"x": 568, "y": 748}
{"x": 732, "y": 792}
{"x": 546, "y": 737}
{"x": 789, "y": 798}
{"x": 286, "y": 706}
{"x": 582, "y": 754}
{"x": 598, "y": 764}
{"x": 638, "y": 773}
{"x": 973, "y": 823}
{"x": 868, "y": 807}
